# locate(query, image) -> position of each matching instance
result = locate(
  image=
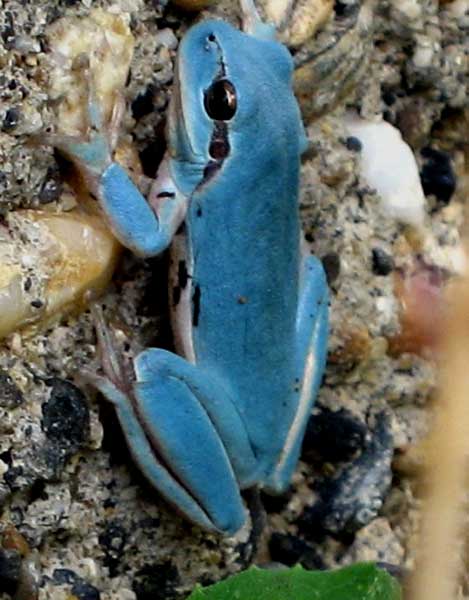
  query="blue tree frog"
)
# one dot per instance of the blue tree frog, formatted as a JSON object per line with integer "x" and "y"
{"x": 249, "y": 308}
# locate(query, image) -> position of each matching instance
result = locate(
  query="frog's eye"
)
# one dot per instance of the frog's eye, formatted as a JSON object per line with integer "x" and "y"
{"x": 220, "y": 100}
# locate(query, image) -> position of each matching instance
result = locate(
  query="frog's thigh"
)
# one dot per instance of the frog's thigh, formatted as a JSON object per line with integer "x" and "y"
{"x": 143, "y": 454}
{"x": 312, "y": 334}
{"x": 198, "y": 432}
{"x": 154, "y": 364}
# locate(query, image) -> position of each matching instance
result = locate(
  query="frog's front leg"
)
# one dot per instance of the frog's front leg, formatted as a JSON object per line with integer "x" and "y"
{"x": 145, "y": 229}
{"x": 312, "y": 329}
{"x": 184, "y": 432}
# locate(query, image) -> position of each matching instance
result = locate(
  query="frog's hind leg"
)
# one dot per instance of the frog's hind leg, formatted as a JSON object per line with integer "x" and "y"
{"x": 186, "y": 436}
{"x": 117, "y": 387}
{"x": 142, "y": 453}
{"x": 253, "y": 24}
{"x": 312, "y": 332}
{"x": 190, "y": 418}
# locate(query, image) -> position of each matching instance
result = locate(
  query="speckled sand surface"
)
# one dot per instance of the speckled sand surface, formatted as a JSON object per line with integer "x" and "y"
{"x": 77, "y": 520}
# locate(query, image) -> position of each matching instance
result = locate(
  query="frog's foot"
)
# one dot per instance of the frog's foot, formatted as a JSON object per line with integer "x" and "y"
{"x": 253, "y": 24}
{"x": 92, "y": 152}
{"x": 117, "y": 370}
{"x": 118, "y": 374}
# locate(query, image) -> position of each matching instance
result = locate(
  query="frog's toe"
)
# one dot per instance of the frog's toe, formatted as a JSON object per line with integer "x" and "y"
{"x": 90, "y": 155}
{"x": 117, "y": 369}
{"x": 103, "y": 119}
{"x": 94, "y": 111}
{"x": 92, "y": 150}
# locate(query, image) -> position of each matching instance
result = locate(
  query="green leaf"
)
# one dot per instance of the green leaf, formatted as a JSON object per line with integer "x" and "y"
{"x": 362, "y": 581}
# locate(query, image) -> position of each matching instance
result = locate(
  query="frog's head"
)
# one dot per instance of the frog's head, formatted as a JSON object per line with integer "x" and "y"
{"x": 231, "y": 88}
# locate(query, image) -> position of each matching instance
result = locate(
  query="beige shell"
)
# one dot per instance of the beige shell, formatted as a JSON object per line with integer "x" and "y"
{"x": 328, "y": 68}
{"x": 330, "y": 54}
{"x": 297, "y": 20}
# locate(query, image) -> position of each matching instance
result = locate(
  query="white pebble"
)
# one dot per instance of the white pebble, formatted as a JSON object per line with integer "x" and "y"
{"x": 389, "y": 166}
{"x": 423, "y": 53}
{"x": 166, "y": 38}
{"x": 407, "y": 9}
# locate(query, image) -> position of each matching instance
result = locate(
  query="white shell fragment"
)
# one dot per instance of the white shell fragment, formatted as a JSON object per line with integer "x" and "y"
{"x": 389, "y": 166}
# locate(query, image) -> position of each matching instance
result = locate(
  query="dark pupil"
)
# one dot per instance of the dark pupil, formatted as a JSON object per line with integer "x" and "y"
{"x": 220, "y": 100}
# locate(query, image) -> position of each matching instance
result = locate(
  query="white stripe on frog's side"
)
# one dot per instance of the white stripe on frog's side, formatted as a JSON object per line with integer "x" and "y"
{"x": 180, "y": 269}
{"x": 304, "y": 406}
{"x": 180, "y": 294}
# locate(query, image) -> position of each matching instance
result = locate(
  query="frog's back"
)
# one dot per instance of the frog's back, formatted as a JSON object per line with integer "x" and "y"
{"x": 242, "y": 229}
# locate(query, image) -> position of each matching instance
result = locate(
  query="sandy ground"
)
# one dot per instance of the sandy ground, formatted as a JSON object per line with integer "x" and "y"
{"x": 77, "y": 519}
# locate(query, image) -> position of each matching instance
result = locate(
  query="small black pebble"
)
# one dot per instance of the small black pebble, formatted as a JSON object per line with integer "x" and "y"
{"x": 13, "y": 477}
{"x": 113, "y": 541}
{"x": 143, "y": 103}
{"x": 65, "y": 416}
{"x": 10, "y": 395}
{"x": 11, "y": 119}
{"x": 10, "y": 570}
{"x": 345, "y": 10}
{"x": 3, "y": 186}
{"x": 81, "y": 589}
{"x": 37, "y": 303}
{"x": 353, "y": 497}
{"x": 290, "y": 550}
{"x": 382, "y": 262}
{"x": 354, "y": 144}
{"x": 331, "y": 264}
{"x": 38, "y": 491}
{"x": 64, "y": 576}
{"x": 437, "y": 175}
{"x": 389, "y": 98}
{"x": 7, "y": 33}
{"x": 85, "y": 591}
{"x": 51, "y": 187}
{"x": 333, "y": 436}
{"x": 157, "y": 582}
